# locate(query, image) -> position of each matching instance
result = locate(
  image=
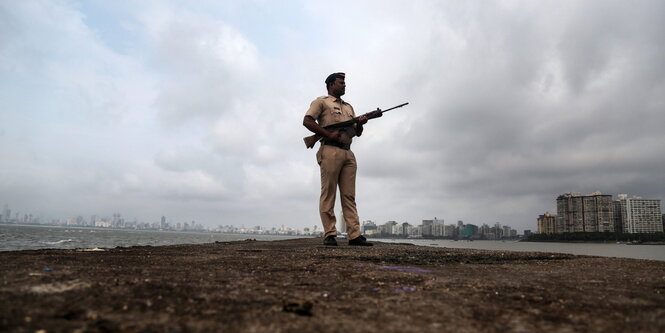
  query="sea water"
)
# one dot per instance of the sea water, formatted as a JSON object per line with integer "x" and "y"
{"x": 610, "y": 249}
{"x": 17, "y": 237}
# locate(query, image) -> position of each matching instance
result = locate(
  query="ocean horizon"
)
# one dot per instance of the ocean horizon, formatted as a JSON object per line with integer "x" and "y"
{"x": 36, "y": 237}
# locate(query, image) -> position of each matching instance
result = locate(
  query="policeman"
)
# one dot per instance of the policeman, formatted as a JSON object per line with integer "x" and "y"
{"x": 336, "y": 160}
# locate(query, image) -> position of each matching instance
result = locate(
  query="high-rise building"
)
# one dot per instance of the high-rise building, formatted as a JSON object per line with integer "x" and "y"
{"x": 547, "y": 223}
{"x": 437, "y": 227}
{"x": 340, "y": 224}
{"x": 405, "y": 229}
{"x": 6, "y": 213}
{"x": 506, "y": 231}
{"x": 427, "y": 227}
{"x": 496, "y": 231}
{"x": 640, "y": 215}
{"x": 469, "y": 230}
{"x": 618, "y": 215}
{"x": 585, "y": 212}
{"x": 389, "y": 228}
{"x": 449, "y": 230}
{"x": 484, "y": 230}
{"x": 369, "y": 228}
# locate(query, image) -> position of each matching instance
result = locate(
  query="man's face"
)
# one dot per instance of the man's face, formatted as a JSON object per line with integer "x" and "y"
{"x": 338, "y": 88}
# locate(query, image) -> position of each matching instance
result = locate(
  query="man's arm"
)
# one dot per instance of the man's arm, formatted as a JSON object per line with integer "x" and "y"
{"x": 311, "y": 125}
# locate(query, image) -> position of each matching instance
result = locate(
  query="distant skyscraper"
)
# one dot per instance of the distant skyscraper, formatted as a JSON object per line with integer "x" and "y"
{"x": 426, "y": 227}
{"x": 438, "y": 228}
{"x": 449, "y": 230}
{"x": 547, "y": 223}
{"x": 369, "y": 228}
{"x": 618, "y": 215}
{"x": 405, "y": 229}
{"x": 506, "y": 231}
{"x": 484, "y": 230}
{"x": 585, "y": 212}
{"x": 469, "y": 230}
{"x": 640, "y": 215}
{"x": 341, "y": 224}
{"x": 497, "y": 230}
{"x": 389, "y": 228}
{"x": 6, "y": 213}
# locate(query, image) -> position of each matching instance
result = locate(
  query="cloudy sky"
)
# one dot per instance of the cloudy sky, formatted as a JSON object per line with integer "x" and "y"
{"x": 193, "y": 109}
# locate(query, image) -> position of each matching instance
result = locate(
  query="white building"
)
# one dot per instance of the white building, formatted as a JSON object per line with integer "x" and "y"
{"x": 388, "y": 228}
{"x": 102, "y": 224}
{"x": 438, "y": 228}
{"x": 341, "y": 224}
{"x": 640, "y": 215}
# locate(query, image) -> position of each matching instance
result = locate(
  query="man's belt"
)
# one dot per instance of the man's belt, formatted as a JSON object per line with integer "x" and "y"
{"x": 344, "y": 146}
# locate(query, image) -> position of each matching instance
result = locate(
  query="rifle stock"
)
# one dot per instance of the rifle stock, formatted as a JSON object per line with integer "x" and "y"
{"x": 311, "y": 140}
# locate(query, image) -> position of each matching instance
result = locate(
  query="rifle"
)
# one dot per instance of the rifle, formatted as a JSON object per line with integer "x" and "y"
{"x": 311, "y": 140}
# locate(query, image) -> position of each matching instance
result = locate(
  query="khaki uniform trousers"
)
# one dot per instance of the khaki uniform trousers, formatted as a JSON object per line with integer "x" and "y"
{"x": 338, "y": 167}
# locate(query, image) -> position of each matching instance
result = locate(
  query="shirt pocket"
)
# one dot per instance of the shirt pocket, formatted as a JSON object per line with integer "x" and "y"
{"x": 337, "y": 115}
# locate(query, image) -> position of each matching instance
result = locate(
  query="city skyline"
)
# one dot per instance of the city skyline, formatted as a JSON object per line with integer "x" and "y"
{"x": 193, "y": 110}
{"x": 533, "y": 226}
{"x": 427, "y": 229}
{"x": 78, "y": 219}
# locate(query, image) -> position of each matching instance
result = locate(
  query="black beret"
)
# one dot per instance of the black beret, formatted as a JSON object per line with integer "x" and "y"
{"x": 331, "y": 78}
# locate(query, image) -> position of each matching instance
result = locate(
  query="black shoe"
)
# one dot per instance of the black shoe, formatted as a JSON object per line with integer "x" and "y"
{"x": 330, "y": 241}
{"x": 360, "y": 241}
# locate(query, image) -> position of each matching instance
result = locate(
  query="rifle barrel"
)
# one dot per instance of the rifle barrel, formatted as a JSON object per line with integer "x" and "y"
{"x": 394, "y": 107}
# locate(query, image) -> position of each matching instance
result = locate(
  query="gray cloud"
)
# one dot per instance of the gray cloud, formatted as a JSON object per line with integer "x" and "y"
{"x": 207, "y": 64}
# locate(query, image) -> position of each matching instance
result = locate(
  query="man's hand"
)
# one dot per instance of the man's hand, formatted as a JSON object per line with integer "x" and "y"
{"x": 311, "y": 124}
{"x": 362, "y": 120}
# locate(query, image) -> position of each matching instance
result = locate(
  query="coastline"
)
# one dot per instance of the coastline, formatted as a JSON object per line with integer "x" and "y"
{"x": 609, "y": 250}
{"x": 591, "y": 242}
{"x": 300, "y": 285}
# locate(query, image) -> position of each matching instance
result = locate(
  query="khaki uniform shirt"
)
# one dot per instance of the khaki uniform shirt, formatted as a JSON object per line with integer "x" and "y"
{"x": 328, "y": 110}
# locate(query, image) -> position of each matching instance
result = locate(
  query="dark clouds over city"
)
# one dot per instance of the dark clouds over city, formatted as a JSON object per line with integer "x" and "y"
{"x": 193, "y": 110}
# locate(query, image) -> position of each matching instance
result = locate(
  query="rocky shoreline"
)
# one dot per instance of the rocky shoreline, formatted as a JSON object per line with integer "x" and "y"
{"x": 301, "y": 286}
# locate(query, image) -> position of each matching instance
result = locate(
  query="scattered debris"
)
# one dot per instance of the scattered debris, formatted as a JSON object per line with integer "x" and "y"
{"x": 58, "y": 287}
{"x": 300, "y": 307}
{"x": 407, "y": 269}
{"x": 95, "y": 249}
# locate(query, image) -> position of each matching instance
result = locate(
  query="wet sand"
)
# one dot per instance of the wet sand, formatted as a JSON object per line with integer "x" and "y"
{"x": 301, "y": 286}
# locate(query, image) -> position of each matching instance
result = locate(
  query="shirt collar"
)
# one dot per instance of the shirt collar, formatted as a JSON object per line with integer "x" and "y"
{"x": 337, "y": 99}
